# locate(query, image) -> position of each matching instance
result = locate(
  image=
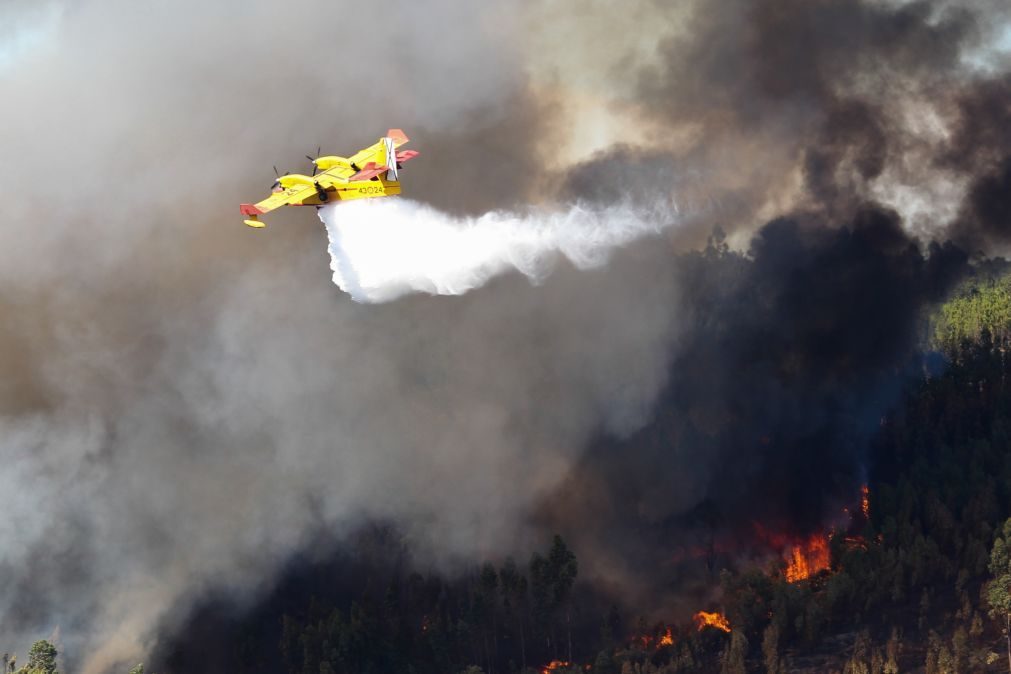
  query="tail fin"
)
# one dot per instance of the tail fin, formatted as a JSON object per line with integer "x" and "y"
{"x": 394, "y": 139}
{"x": 397, "y": 136}
{"x": 391, "y": 157}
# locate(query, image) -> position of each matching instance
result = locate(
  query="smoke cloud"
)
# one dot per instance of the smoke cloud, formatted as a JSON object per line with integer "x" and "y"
{"x": 185, "y": 404}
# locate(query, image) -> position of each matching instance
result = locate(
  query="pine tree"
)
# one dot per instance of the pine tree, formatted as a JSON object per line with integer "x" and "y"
{"x": 892, "y": 650}
{"x": 770, "y": 649}
{"x": 734, "y": 655}
{"x": 563, "y": 569}
{"x": 859, "y": 662}
{"x": 42, "y": 658}
{"x": 998, "y": 590}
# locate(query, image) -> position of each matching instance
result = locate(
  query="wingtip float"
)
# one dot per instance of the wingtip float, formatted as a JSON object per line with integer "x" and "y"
{"x": 372, "y": 172}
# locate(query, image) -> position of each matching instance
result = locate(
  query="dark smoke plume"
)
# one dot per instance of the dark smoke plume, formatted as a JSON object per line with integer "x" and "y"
{"x": 787, "y": 361}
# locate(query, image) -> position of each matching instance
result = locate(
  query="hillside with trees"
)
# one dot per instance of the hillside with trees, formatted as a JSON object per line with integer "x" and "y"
{"x": 919, "y": 580}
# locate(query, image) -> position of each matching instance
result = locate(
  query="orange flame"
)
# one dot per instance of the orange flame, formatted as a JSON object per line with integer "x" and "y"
{"x": 652, "y": 642}
{"x": 865, "y": 501}
{"x": 717, "y": 620}
{"x": 553, "y": 665}
{"x": 806, "y": 559}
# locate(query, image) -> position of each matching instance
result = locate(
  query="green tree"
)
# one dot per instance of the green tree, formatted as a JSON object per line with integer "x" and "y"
{"x": 604, "y": 664}
{"x": 924, "y": 606}
{"x": 960, "y": 649}
{"x": 998, "y": 590}
{"x": 770, "y": 649}
{"x": 562, "y": 569}
{"x": 892, "y": 651}
{"x": 551, "y": 581}
{"x": 933, "y": 646}
{"x": 734, "y": 655}
{"x": 945, "y": 661}
{"x": 485, "y": 608}
{"x": 514, "y": 597}
{"x": 976, "y": 627}
{"x": 860, "y": 660}
{"x": 540, "y": 599}
{"x": 42, "y": 658}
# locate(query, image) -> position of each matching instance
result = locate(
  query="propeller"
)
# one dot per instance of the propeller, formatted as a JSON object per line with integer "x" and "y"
{"x": 313, "y": 159}
{"x": 277, "y": 182}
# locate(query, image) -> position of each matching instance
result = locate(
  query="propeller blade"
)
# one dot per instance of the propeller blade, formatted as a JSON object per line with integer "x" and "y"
{"x": 319, "y": 149}
{"x": 277, "y": 183}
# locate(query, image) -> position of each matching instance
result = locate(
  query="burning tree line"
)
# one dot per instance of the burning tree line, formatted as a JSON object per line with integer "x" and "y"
{"x": 925, "y": 582}
{"x": 915, "y": 583}
{"x": 499, "y": 618}
{"x": 919, "y": 579}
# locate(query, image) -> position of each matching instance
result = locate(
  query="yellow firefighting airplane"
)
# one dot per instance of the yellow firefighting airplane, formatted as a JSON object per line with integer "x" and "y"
{"x": 372, "y": 172}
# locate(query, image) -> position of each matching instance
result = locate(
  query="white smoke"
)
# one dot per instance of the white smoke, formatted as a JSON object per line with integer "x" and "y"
{"x": 381, "y": 249}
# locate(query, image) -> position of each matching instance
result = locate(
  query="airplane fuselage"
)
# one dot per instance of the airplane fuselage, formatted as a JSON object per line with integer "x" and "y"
{"x": 354, "y": 189}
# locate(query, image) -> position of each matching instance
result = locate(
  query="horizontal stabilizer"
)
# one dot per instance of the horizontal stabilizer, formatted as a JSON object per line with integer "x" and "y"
{"x": 255, "y": 223}
{"x": 368, "y": 172}
{"x": 404, "y": 155}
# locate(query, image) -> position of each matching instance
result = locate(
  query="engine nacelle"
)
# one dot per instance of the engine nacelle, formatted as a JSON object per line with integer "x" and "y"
{"x": 327, "y": 163}
{"x": 295, "y": 179}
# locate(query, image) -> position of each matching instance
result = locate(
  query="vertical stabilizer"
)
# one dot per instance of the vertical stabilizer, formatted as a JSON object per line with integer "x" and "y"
{"x": 391, "y": 158}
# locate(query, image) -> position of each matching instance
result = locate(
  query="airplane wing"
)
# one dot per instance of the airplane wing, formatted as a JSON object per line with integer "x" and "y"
{"x": 369, "y": 171}
{"x": 292, "y": 195}
{"x": 334, "y": 175}
{"x": 296, "y": 194}
{"x": 373, "y": 154}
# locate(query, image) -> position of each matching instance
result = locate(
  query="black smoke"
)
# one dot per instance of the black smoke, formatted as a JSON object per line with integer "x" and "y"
{"x": 792, "y": 355}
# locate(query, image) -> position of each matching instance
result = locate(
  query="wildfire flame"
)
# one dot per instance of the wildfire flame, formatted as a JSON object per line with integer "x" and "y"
{"x": 806, "y": 559}
{"x": 553, "y": 665}
{"x": 718, "y": 620}
{"x": 865, "y": 501}
{"x": 652, "y": 641}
